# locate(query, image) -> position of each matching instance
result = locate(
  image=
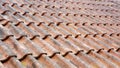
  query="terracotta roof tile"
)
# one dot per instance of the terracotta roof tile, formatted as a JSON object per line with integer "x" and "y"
{"x": 59, "y": 34}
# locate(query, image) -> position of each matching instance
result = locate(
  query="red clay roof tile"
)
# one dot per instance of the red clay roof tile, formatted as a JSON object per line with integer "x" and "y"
{"x": 59, "y": 34}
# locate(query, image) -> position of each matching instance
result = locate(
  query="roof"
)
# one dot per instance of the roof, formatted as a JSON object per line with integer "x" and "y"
{"x": 59, "y": 34}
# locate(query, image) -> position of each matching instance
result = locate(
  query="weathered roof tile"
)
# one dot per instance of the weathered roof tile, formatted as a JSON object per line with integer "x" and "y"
{"x": 59, "y": 34}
